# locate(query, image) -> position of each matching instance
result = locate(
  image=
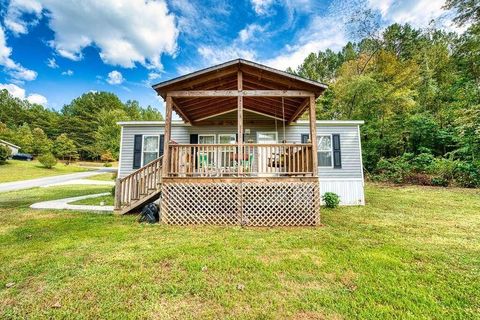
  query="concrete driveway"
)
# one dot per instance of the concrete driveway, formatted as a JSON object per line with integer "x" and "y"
{"x": 26, "y": 184}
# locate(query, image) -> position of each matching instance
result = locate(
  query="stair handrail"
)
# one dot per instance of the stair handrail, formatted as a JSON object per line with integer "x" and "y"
{"x": 126, "y": 184}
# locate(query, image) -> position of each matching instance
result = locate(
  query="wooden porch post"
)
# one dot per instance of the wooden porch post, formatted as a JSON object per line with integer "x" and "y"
{"x": 313, "y": 135}
{"x": 240, "y": 123}
{"x": 167, "y": 136}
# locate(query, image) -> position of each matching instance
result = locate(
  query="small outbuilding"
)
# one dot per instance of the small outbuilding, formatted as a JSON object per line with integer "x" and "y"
{"x": 12, "y": 147}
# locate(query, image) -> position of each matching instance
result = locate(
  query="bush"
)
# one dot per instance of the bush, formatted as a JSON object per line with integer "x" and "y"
{"x": 107, "y": 157}
{"x": 48, "y": 160}
{"x": 422, "y": 162}
{"x": 394, "y": 169}
{"x": 418, "y": 178}
{"x": 444, "y": 168}
{"x": 5, "y": 153}
{"x": 439, "y": 182}
{"x": 332, "y": 200}
{"x": 107, "y": 164}
{"x": 467, "y": 174}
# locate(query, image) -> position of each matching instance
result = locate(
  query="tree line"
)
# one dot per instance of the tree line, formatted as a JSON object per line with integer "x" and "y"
{"x": 84, "y": 129}
{"x": 418, "y": 91}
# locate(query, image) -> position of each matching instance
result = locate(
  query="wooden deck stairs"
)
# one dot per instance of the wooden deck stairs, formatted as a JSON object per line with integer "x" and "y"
{"x": 138, "y": 187}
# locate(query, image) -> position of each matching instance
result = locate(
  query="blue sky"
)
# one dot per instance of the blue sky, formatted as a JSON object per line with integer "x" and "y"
{"x": 52, "y": 51}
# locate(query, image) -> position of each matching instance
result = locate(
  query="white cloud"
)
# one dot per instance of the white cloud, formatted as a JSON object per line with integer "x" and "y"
{"x": 153, "y": 76}
{"x": 37, "y": 98}
{"x": 250, "y": 31}
{"x": 15, "y": 20}
{"x": 261, "y": 7}
{"x": 126, "y": 32}
{"x": 328, "y": 31}
{"x": 13, "y": 68}
{"x": 186, "y": 69}
{"x": 67, "y": 73}
{"x": 321, "y": 34}
{"x": 52, "y": 63}
{"x": 14, "y": 90}
{"x": 19, "y": 92}
{"x": 115, "y": 77}
{"x": 216, "y": 55}
{"x": 419, "y": 13}
{"x": 204, "y": 20}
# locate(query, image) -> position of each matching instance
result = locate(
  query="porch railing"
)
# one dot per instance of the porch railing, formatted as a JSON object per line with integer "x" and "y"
{"x": 224, "y": 160}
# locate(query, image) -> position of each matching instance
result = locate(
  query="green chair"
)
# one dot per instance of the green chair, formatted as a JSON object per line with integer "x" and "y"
{"x": 247, "y": 164}
{"x": 202, "y": 161}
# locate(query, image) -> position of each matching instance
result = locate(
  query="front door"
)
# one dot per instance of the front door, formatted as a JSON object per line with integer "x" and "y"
{"x": 263, "y": 156}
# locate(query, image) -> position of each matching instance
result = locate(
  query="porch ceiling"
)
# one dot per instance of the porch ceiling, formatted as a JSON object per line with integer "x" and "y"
{"x": 225, "y": 77}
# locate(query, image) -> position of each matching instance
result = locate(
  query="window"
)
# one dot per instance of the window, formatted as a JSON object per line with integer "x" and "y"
{"x": 267, "y": 137}
{"x": 227, "y": 138}
{"x": 150, "y": 149}
{"x": 324, "y": 151}
{"x": 206, "y": 155}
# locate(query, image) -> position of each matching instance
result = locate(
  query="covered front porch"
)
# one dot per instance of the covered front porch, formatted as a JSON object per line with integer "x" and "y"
{"x": 240, "y": 86}
{"x": 237, "y": 171}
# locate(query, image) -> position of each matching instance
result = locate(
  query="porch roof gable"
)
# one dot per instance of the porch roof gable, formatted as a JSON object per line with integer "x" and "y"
{"x": 221, "y": 81}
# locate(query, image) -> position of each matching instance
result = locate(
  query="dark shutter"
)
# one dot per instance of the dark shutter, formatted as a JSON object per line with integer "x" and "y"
{"x": 337, "y": 154}
{"x": 161, "y": 145}
{"x": 236, "y": 137}
{"x": 305, "y": 137}
{"x": 137, "y": 151}
{"x": 194, "y": 140}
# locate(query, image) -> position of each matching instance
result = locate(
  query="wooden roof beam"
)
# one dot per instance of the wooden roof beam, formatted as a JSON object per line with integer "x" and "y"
{"x": 200, "y": 102}
{"x": 268, "y": 110}
{"x": 211, "y": 110}
{"x": 253, "y": 86}
{"x": 275, "y": 103}
{"x": 204, "y": 78}
{"x": 262, "y": 74}
{"x": 180, "y": 112}
{"x": 237, "y": 93}
{"x": 303, "y": 107}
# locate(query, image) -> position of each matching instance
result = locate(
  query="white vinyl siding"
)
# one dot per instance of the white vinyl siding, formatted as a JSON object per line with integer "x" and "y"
{"x": 349, "y": 140}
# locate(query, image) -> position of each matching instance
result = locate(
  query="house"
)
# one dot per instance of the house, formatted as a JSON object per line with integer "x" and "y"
{"x": 12, "y": 147}
{"x": 241, "y": 152}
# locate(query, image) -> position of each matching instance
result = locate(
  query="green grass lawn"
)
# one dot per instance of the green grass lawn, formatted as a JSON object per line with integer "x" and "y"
{"x": 103, "y": 177}
{"x": 96, "y": 164}
{"x": 15, "y": 170}
{"x": 108, "y": 200}
{"x": 411, "y": 253}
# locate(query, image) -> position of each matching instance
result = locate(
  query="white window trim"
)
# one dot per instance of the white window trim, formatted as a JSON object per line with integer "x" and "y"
{"x": 143, "y": 144}
{"x": 331, "y": 149}
{"x": 227, "y": 135}
{"x": 262, "y": 132}
{"x": 207, "y": 135}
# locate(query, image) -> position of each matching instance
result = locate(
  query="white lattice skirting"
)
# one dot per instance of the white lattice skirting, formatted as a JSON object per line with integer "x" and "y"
{"x": 244, "y": 203}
